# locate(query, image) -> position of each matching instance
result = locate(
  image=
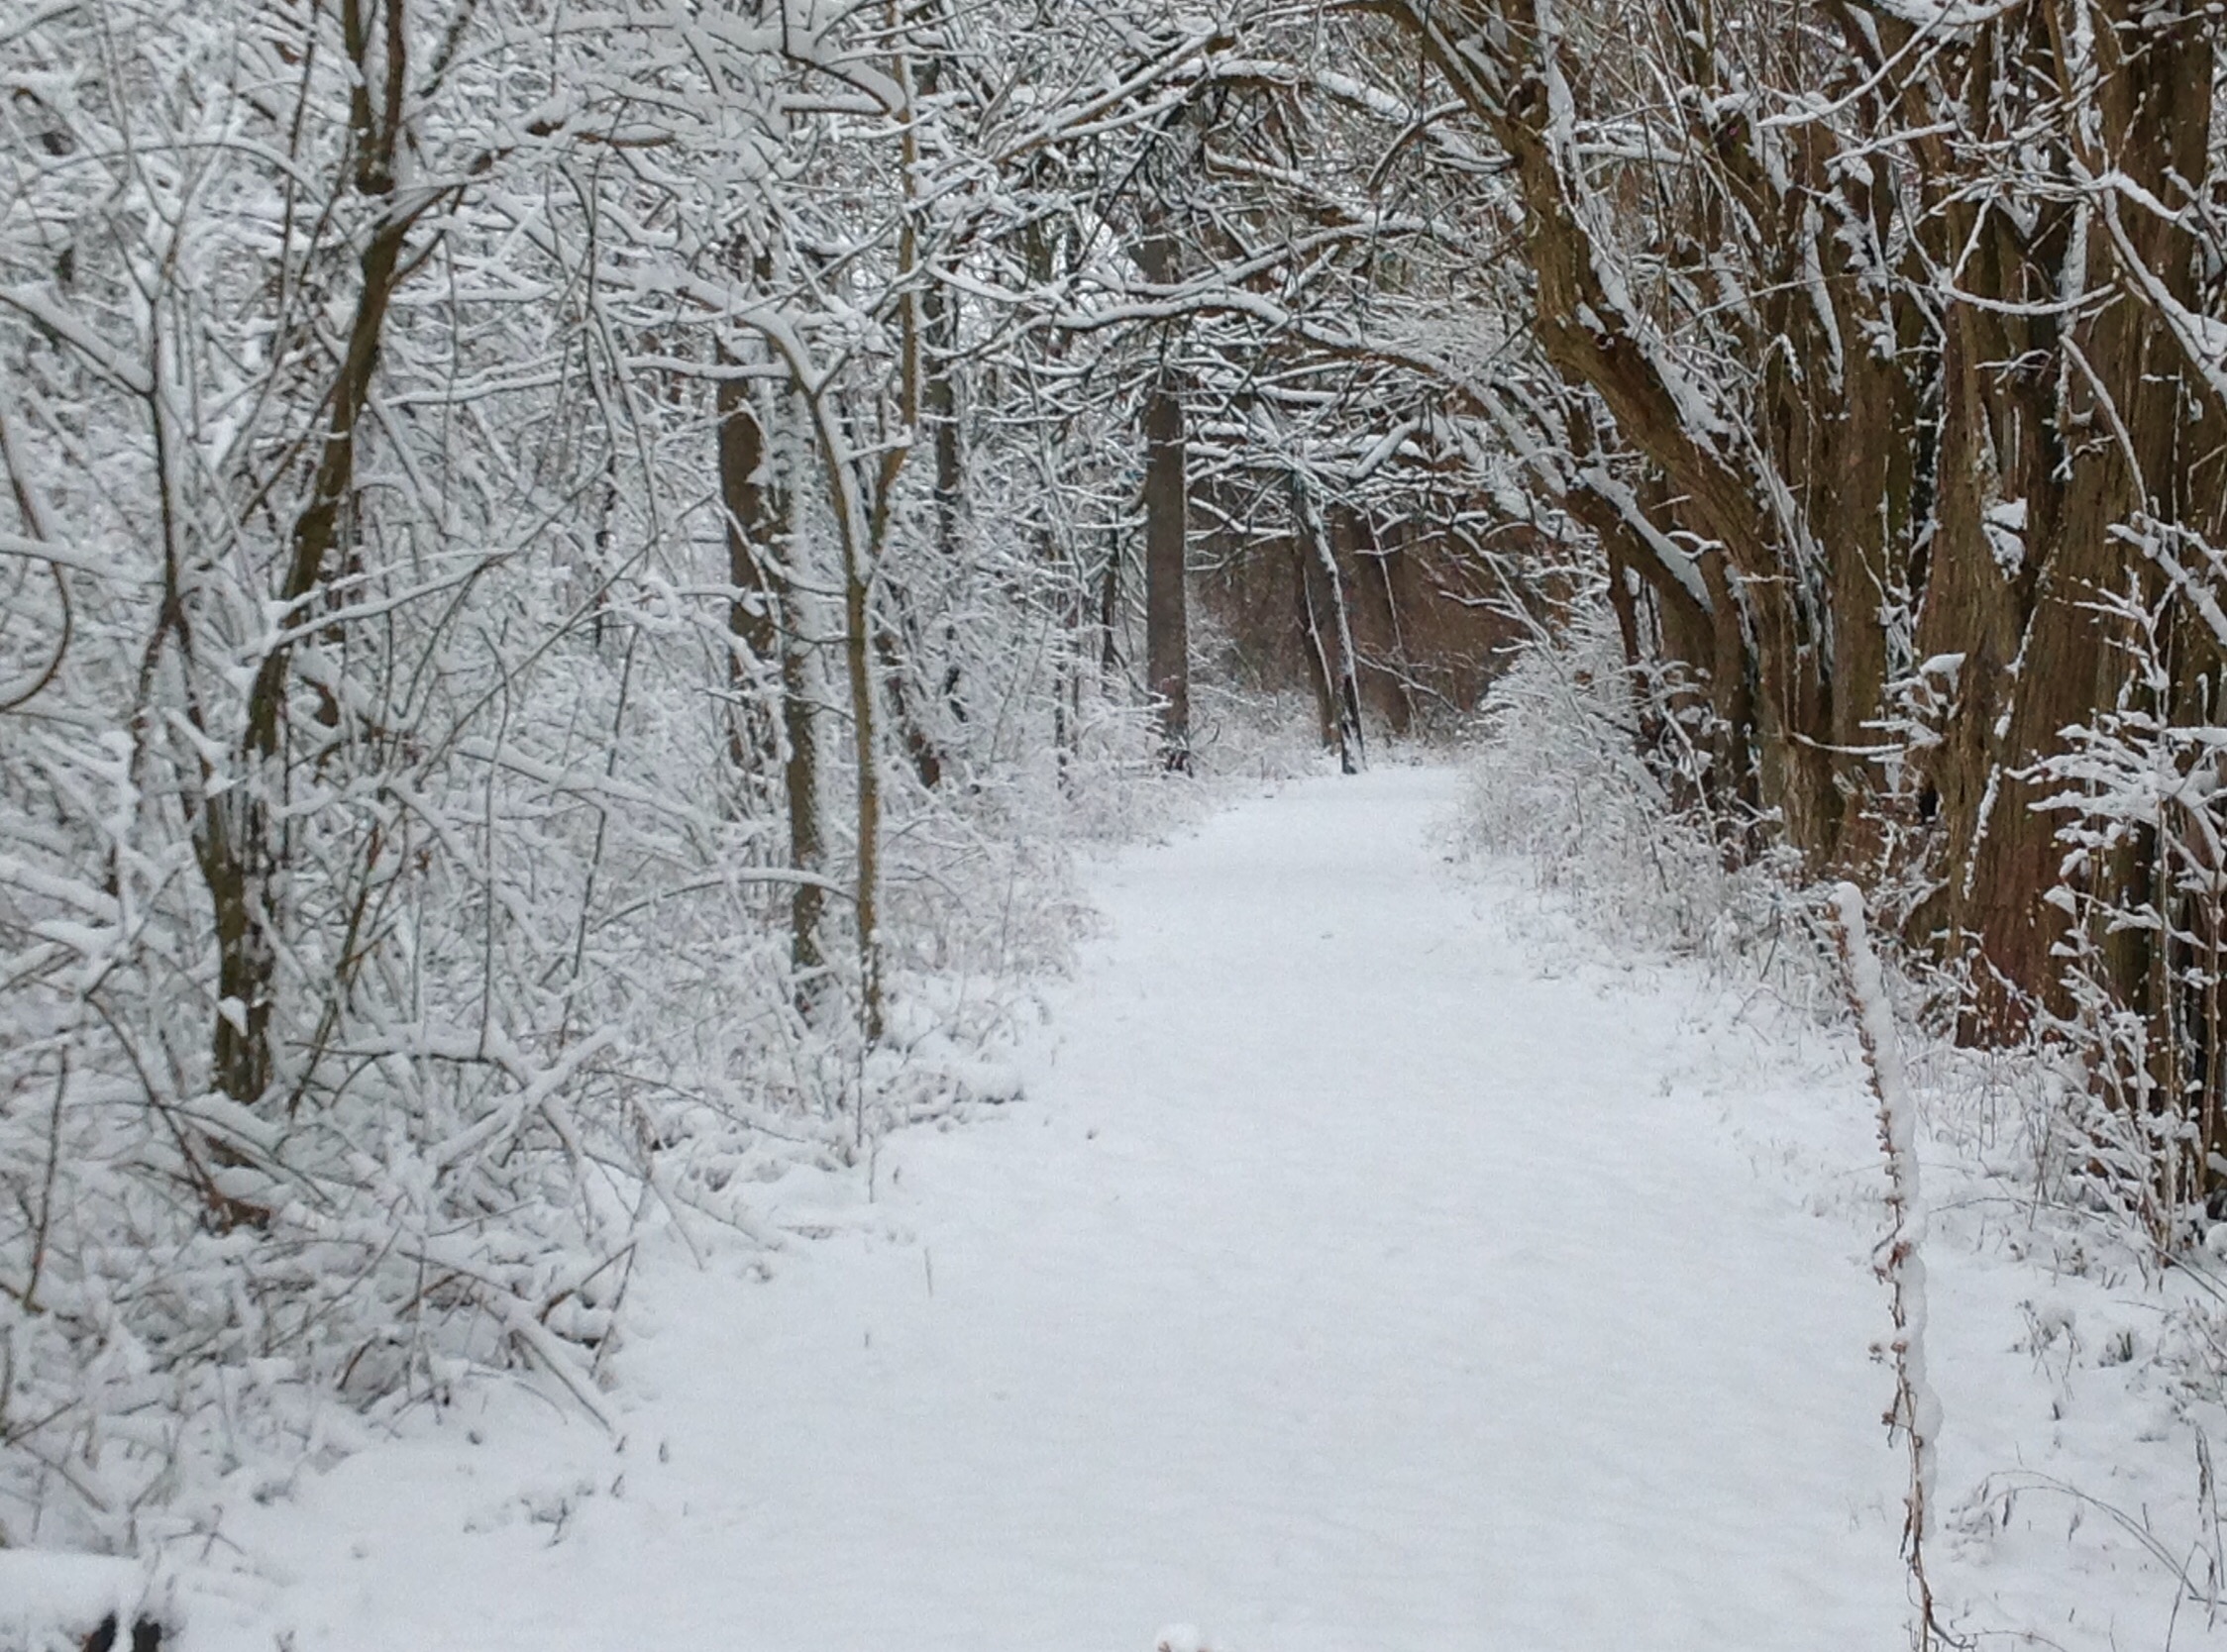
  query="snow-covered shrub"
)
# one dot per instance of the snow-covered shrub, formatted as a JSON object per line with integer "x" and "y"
{"x": 1595, "y": 775}
{"x": 1598, "y": 776}
{"x": 2143, "y": 785}
{"x": 452, "y": 840}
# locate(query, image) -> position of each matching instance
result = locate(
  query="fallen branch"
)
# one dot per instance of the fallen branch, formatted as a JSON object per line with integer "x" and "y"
{"x": 1916, "y": 1411}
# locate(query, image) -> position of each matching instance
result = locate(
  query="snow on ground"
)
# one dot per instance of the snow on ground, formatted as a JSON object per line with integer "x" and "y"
{"x": 1369, "y": 1265}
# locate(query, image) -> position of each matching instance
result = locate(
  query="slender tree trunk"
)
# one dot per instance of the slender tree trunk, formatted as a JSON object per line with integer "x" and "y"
{"x": 800, "y": 623}
{"x": 753, "y": 523}
{"x": 1403, "y": 710}
{"x": 1167, "y": 530}
{"x": 1329, "y": 625}
{"x": 1167, "y": 629}
{"x": 236, "y": 840}
{"x": 939, "y": 411}
{"x": 1110, "y": 616}
{"x": 807, "y": 847}
{"x": 1311, "y": 648}
{"x": 857, "y": 619}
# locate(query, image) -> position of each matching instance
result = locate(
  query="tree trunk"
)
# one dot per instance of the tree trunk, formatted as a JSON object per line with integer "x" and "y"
{"x": 1167, "y": 528}
{"x": 753, "y": 524}
{"x": 235, "y": 841}
{"x": 1328, "y": 626}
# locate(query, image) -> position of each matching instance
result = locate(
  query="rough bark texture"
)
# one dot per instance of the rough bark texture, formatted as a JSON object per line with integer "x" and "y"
{"x": 1943, "y": 415}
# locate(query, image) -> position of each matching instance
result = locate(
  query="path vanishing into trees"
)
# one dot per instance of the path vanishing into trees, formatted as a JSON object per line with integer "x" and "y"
{"x": 1362, "y": 1271}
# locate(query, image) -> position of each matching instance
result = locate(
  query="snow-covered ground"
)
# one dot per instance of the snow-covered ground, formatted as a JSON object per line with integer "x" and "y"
{"x": 1367, "y": 1265}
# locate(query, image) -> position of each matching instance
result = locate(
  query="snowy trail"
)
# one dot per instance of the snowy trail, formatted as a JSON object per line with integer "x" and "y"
{"x": 1344, "y": 1283}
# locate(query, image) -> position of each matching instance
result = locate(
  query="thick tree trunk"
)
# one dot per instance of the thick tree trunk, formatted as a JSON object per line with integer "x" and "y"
{"x": 2107, "y": 428}
{"x": 773, "y": 739}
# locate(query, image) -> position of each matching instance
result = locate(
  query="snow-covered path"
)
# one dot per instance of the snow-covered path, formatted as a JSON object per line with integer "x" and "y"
{"x": 1346, "y": 1282}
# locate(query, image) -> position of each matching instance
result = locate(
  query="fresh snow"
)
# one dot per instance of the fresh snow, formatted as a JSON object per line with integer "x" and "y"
{"x": 1366, "y": 1265}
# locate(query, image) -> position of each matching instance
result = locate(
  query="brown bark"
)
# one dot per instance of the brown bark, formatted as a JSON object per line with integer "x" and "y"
{"x": 754, "y": 608}
{"x": 1961, "y": 405}
{"x": 1495, "y": 56}
{"x": 1167, "y": 532}
{"x": 2108, "y": 439}
{"x": 235, "y": 840}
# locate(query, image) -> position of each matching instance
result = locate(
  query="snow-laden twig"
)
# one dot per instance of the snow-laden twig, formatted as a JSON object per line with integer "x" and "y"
{"x": 1916, "y": 1411}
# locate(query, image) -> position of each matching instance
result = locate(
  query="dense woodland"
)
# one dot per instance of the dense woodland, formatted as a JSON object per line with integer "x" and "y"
{"x": 565, "y": 564}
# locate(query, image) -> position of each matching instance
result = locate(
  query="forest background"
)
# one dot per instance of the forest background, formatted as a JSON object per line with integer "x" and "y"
{"x": 570, "y": 569}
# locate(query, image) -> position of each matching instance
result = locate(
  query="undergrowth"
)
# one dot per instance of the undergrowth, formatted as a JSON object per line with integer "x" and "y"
{"x": 2033, "y": 1163}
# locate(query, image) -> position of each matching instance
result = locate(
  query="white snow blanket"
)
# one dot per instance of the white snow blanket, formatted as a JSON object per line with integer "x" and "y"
{"x": 1360, "y": 1270}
